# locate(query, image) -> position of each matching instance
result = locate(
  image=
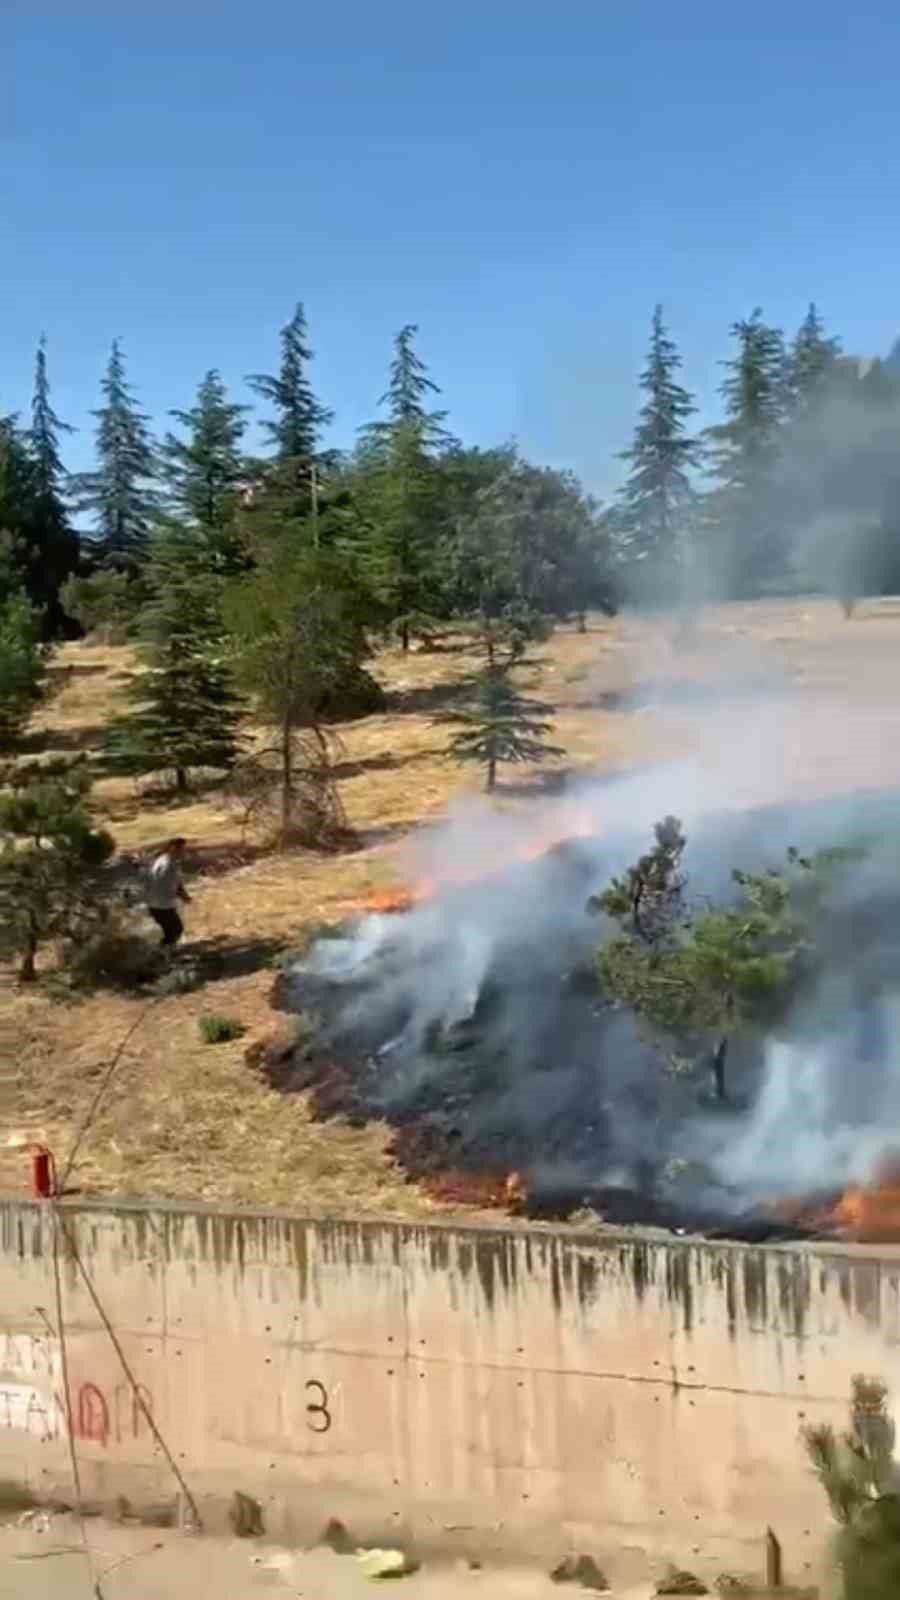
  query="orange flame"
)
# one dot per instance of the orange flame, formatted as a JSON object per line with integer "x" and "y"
{"x": 864, "y": 1213}
{"x": 871, "y": 1215}
{"x": 566, "y": 822}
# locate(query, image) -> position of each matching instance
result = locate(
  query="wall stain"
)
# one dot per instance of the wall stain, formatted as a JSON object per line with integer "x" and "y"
{"x": 793, "y": 1278}
{"x": 866, "y": 1278}
{"x": 679, "y": 1284}
{"x": 586, "y": 1274}
{"x": 637, "y": 1256}
{"x": 756, "y": 1288}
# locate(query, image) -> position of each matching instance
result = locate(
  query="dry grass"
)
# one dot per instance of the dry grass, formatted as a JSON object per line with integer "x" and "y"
{"x": 183, "y": 1119}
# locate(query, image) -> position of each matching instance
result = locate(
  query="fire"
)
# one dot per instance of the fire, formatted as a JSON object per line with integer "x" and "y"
{"x": 566, "y": 822}
{"x": 864, "y": 1213}
{"x": 871, "y": 1215}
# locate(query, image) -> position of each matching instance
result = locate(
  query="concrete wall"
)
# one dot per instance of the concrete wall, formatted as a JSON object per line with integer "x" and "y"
{"x": 490, "y": 1390}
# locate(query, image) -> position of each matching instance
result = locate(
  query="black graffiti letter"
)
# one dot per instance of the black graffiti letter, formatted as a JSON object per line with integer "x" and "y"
{"x": 318, "y": 1408}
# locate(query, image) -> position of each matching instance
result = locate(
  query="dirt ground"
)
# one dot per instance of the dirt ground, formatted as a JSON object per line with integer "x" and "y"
{"x": 770, "y": 697}
{"x": 147, "y": 1565}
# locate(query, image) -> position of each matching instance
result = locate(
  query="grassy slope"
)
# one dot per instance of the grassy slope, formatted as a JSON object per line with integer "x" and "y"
{"x": 184, "y": 1119}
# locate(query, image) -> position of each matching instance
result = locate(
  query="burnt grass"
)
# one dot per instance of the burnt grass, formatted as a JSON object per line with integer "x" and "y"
{"x": 459, "y": 1132}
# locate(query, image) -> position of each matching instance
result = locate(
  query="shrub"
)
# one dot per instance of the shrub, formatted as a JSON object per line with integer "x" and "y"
{"x": 104, "y": 604}
{"x": 116, "y": 955}
{"x": 216, "y": 1029}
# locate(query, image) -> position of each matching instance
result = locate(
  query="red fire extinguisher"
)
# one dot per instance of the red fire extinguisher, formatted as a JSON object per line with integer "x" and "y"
{"x": 43, "y": 1173}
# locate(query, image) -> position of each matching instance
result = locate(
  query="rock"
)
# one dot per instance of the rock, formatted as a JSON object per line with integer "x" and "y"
{"x": 337, "y": 1538}
{"x": 246, "y": 1516}
{"x": 582, "y": 1570}
{"x": 282, "y": 1561}
{"x": 379, "y": 1564}
{"x": 681, "y": 1583}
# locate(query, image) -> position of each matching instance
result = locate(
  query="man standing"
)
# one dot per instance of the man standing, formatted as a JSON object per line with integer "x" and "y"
{"x": 164, "y": 889}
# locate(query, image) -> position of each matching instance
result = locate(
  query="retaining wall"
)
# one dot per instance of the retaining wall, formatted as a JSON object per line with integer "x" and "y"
{"x": 498, "y": 1391}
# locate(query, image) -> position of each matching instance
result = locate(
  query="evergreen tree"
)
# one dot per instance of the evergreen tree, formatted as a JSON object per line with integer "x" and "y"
{"x": 399, "y": 492}
{"x": 46, "y": 427}
{"x": 120, "y": 493}
{"x": 656, "y": 499}
{"x": 856, "y": 1468}
{"x": 22, "y": 654}
{"x": 57, "y": 544}
{"x": 206, "y": 469}
{"x": 745, "y": 509}
{"x": 701, "y": 976}
{"x": 50, "y": 860}
{"x": 299, "y": 418}
{"x": 185, "y": 715}
{"x": 810, "y": 367}
{"x": 500, "y": 726}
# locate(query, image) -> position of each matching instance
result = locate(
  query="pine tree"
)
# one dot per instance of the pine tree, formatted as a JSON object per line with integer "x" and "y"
{"x": 50, "y": 860}
{"x": 206, "y": 470}
{"x": 656, "y": 499}
{"x": 186, "y": 714}
{"x": 52, "y": 547}
{"x": 856, "y": 1469}
{"x": 500, "y": 726}
{"x": 810, "y": 366}
{"x": 400, "y": 491}
{"x": 46, "y": 428}
{"x": 120, "y": 493}
{"x": 299, "y": 418}
{"x": 22, "y": 654}
{"x": 745, "y": 509}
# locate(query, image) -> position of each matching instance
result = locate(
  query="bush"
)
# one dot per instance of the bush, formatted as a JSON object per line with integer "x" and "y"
{"x": 215, "y": 1029}
{"x": 104, "y": 604}
{"x": 117, "y": 956}
{"x": 22, "y": 663}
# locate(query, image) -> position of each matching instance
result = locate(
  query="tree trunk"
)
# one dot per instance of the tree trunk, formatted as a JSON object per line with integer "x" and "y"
{"x": 491, "y": 779}
{"x": 181, "y": 782}
{"x": 582, "y": 622}
{"x": 404, "y": 635}
{"x": 287, "y": 778}
{"x": 27, "y": 971}
{"x": 719, "y": 1060}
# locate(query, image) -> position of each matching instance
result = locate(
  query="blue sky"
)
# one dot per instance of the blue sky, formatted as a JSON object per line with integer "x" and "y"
{"x": 523, "y": 180}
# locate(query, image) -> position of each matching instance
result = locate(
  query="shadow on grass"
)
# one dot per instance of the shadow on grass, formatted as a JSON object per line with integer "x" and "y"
{"x": 429, "y": 698}
{"x": 218, "y": 959}
{"x": 385, "y": 762}
{"x": 61, "y": 741}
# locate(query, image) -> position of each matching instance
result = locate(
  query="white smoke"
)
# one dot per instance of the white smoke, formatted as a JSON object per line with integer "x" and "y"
{"x": 768, "y": 763}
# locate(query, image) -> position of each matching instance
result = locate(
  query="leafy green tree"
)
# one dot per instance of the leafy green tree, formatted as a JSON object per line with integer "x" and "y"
{"x": 656, "y": 501}
{"x": 297, "y": 624}
{"x": 745, "y": 509}
{"x": 523, "y": 542}
{"x": 185, "y": 714}
{"x": 856, "y": 1469}
{"x": 299, "y": 418}
{"x": 50, "y": 860}
{"x": 500, "y": 726}
{"x": 398, "y": 487}
{"x": 206, "y": 469}
{"x": 121, "y": 492}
